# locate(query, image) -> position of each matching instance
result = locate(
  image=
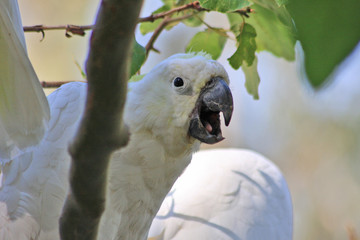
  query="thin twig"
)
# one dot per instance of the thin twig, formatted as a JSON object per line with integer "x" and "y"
{"x": 74, "y": 29}
{"x": 167, "y": 20}
{"x": 57, "y": 84}
{"x": 245, "y": 11}
{"x": 217, "y": 30}
{"x": 150, "y": 45}
{"x": 194, "y": 5}
{"x": 80, "y": 29}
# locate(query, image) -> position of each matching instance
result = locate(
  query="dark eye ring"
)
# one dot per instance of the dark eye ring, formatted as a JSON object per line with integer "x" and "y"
{"x": 178, "y": 82}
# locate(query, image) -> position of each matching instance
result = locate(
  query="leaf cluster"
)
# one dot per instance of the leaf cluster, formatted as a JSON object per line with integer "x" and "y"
{"x": 261, "y": 25}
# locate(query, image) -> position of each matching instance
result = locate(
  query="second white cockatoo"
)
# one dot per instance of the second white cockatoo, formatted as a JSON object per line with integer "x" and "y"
{"x": 227, "y": 194}
{"x": 24, "y": 111}
{"x": 174, "y": 108}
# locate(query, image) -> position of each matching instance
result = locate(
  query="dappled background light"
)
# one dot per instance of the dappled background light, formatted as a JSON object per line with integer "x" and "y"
{"x": 312, "y": 135}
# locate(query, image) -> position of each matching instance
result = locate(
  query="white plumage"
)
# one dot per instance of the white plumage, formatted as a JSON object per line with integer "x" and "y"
{"x": 158, "y": 114}
{"x": 226, "y": 194}
{"x": 166, "y": 122}
{"x": 35, "y": 183}
{"x": 24, "y": 110}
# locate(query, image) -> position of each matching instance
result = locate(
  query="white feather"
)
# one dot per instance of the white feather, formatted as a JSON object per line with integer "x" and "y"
{"x": 24, "y": 111}
{"x": 34, "y": 184}
{"x": 226, "y": 194}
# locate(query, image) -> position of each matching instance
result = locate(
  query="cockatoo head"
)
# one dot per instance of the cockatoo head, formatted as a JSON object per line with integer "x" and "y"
{"x": 182, "y": 97}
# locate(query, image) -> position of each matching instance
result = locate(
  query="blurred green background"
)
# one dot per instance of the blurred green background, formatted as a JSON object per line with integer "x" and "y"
{"x": 313, "y": 136}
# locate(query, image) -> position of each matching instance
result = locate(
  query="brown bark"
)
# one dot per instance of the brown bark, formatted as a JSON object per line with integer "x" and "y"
{"x": 102, "y": 130}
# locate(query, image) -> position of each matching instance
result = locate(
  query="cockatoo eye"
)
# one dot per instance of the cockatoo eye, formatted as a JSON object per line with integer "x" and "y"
{"x": 178, "y": 82}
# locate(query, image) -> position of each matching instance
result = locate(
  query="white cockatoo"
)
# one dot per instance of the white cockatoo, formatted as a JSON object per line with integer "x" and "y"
{"x": 174, "y": 108}
{"x": 226, "y": 194}
{"x": 24, "y": 111}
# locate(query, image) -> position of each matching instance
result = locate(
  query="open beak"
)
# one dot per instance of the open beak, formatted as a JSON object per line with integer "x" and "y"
{"x": 214, "y": 98}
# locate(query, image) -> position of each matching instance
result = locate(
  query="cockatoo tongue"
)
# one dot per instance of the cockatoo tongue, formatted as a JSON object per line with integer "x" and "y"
{"x": 208, "y": 127}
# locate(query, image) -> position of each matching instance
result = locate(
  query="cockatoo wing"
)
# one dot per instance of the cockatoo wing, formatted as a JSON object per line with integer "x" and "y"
{"x": 226, "y": 194}
{"x": 35, "y": 183}
{"x": 24, "y": 111}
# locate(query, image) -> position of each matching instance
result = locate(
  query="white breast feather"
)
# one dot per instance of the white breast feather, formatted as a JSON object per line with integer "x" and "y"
{"x": 227, "y": 194}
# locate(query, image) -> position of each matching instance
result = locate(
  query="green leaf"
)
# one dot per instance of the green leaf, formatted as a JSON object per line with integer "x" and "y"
{"x": 170, "y": 2}
{"x": 138, "y": 58}
{"x": 181, "y": 2}
{"x": 82, "y": 72}
{"x": 282, "y": 2}
{"x": 328, "y": 31}
{"x": 275, "y": 31}
{"x": 209, "y": 41}
{"x": 147, "y": 27}
{"x": 194, "y": 21}
{"x": 224, "y": 5}
{"x": 269, "y": 4}
{"x": 252, "y": 79}
{"x": 246, "y": 47}
{"x": 235, "y": 21}
{"x": 136, "y": 78}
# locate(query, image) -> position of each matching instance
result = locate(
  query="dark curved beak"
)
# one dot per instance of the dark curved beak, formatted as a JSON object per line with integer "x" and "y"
{"x": 214, "y": 98}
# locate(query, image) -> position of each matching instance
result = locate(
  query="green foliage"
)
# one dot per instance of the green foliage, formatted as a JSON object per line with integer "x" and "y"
{"x": 138, "y": 58}
{"x": 252, "y": 79}
{"x": 195, "y": 21}
{"x": 224, "y": 5}
{"x": 82, "y": 72}
{"x": 274, "y": 28}
{"x": 275, "y": 31}
{"x": 211, "y": 41}
{"x": 235, "y": 21}
{"x": 147, "y": 27}
{"x": 270, "y": 4}
{"x": 281, "y": 2}
{"x": 245, "y": 52}
{"x": 328, "y": 31}
{"x": 246, "y": 47}
{"x": 136, "y": 78}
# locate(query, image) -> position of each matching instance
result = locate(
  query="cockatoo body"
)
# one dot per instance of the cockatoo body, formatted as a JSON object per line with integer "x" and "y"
{"x": 226, "y": 194}
{"x": 169, "y": 112}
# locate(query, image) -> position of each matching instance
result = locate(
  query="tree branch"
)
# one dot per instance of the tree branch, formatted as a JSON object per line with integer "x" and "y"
{"x": 194, "y": 5}
{"x": 74, "y": 29}
{"x": 80, "y": 30}
{"x": 57, "y": 84}
{"x": 150, "y": 45}
{"x": 167, "y": 20}
{"x": 245, "y": 11}
{"x": 102, "y": 129}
